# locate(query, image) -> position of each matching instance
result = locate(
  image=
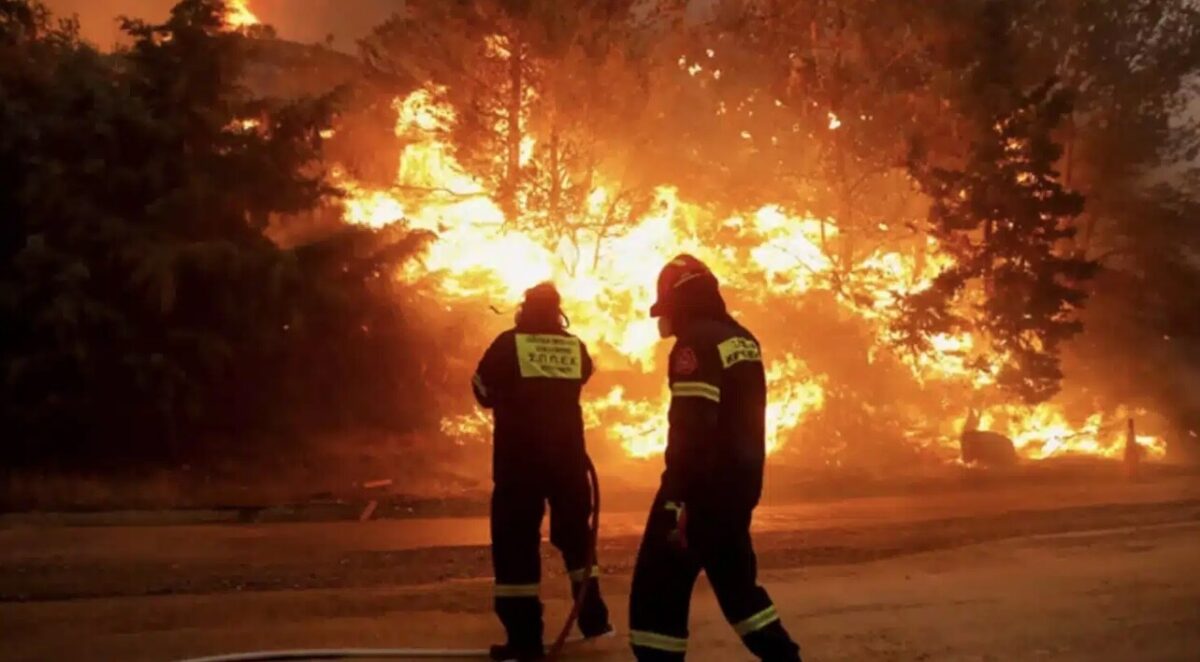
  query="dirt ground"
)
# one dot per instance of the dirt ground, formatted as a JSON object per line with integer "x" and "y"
{"x": 1109, "y": 571}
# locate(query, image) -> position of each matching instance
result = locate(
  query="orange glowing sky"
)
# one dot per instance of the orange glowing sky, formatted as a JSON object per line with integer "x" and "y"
{"x": 305, "y": 21}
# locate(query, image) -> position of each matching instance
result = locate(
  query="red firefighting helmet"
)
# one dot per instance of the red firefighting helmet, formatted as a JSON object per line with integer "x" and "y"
{"x": 683, "y": 270}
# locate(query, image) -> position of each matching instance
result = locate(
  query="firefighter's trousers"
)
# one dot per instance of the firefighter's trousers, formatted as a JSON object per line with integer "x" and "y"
{"x": 664, "y": 575}
{"x": 517, "y": 510}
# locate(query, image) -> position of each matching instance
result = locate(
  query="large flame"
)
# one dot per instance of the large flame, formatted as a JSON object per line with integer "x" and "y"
{"x": 238, "y": 14}
{"x": 1044, "y": 431}
{"x": 608, "y": 288}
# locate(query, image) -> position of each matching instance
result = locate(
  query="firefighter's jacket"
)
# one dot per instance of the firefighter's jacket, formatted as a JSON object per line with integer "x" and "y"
{"x": 532, "y": 382}
{"x": 716, "y": 444}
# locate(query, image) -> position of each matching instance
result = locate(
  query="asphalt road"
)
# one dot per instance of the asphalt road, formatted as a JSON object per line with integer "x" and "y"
{"x": 1107, "y": 571}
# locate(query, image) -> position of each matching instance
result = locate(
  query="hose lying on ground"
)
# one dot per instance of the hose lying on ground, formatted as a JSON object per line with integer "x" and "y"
{"x": 349, "y": 654}
{"x": 436, "y": 653}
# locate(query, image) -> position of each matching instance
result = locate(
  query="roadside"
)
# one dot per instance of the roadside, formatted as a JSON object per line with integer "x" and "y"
{"x": 1105, "y": 570}
{"x": 163, "y": 500}
{"x": 1118, "y": 594}
{"x": 66, "y": 562}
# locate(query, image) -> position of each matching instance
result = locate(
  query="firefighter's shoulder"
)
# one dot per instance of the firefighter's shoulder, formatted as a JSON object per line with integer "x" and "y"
{"x": 560, "y": 338}
{"x": 726, "y": 342}
{"x": 574, "y": 337}
{"x": 504, "y": 338}
{"x": 739, "y": 347}
{"x": 703, "y": 335}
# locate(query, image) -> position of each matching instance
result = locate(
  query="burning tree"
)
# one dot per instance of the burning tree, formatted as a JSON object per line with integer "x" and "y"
{"x": 808, "y": 105}
{"x": 527, "y": 120}
{"x": 1005, "y": 219}
{"x": 779, "y": 133}
{"x": 589, "y": 142}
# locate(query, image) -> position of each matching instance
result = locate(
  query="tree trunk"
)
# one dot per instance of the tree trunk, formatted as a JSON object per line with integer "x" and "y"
{"x": 1070, "y": 156}
{"x": 1089, "y": 232}
{"x": 988, "y": 229}
{"x": 512, "y": 172}
{"x": 846, "y": 221}
{"x": 556, "y": 178}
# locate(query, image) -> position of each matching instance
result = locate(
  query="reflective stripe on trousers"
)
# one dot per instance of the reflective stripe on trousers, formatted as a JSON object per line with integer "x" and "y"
{"x": 756, "y": 622}
{"x": 583, "y": 573}
{"x": 517, "y": 590}
{"x": 656, "y": 641}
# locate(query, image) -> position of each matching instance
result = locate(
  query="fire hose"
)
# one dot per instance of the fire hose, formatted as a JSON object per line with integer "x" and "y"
{"x": 552, "y": 654}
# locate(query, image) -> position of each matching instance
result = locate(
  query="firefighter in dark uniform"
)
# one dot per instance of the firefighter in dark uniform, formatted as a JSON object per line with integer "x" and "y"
{"x": 700, "y": 519}
{"x": 531, "y": 378}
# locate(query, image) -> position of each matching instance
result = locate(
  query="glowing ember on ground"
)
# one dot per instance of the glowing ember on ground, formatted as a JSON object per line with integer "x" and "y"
{"x": 764, "y": 260}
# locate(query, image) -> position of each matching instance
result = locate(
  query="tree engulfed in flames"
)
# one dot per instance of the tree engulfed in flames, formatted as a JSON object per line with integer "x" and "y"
{"x": 608, "y": 287}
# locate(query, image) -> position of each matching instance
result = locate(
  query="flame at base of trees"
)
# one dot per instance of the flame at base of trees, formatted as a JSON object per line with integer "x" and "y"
{"x": 767, "y": 261}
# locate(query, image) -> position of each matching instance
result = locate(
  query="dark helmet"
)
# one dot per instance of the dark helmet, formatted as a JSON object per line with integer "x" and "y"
{"x": 543, "y": 295}
{"x": 685, "y": 280}
{"x": 542, "y": 308}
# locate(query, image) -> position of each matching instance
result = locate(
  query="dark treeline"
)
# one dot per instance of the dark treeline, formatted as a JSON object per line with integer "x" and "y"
{"x": 146, "y": 316}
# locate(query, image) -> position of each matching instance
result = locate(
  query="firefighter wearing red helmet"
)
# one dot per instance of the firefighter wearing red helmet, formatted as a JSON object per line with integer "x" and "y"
{"x": 531, "y": 377}
{"x": 716, "y": 447}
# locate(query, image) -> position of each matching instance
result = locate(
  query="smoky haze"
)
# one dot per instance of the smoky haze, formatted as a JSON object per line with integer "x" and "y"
{"x": 304, "y": 21}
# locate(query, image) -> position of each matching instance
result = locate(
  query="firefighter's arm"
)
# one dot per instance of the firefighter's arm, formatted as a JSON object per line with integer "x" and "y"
{"x": 492, "y": 376}
{"x": 695, "y": 404}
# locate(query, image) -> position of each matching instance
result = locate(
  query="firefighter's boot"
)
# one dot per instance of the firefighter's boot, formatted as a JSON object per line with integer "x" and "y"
{"x": 514, "y": 653}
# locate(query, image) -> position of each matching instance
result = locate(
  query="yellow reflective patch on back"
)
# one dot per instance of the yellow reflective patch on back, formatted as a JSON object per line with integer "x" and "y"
{"x": 556, "y": 357}
{"x": 735, "y": 350}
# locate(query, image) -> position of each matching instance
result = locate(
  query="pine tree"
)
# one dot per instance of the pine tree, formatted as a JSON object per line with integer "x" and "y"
{"x": 144, "y": 309}
{"x": 1006, "y": 219}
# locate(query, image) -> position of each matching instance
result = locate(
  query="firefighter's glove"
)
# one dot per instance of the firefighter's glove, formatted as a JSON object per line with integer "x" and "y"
{"x": 679, "y": 535}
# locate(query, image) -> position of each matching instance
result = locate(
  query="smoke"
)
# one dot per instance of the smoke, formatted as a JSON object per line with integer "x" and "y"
{"x": 305, "y": 21}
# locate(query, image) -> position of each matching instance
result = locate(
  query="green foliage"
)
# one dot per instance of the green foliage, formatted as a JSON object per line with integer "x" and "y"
{"x": 143, "y": 308}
